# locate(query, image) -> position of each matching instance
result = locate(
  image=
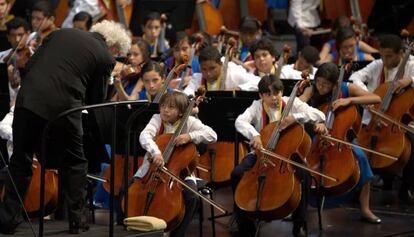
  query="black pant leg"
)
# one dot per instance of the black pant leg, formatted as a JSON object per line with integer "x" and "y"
{"x": 67, "y": 136}
{"x": 408, "y": 171}
{"x": 191, "y": 206}
{"x": 27, "y": 131}
{"x": 246, "y": 226}
{"x": 299, "y": 215}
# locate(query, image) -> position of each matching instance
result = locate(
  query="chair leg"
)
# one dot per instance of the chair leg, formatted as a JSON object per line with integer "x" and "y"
{"x": 213, "y": 221}
{"x": 321, "y": 201}
{"x": 90, "y": 197}
{"x": 201, "y": 218}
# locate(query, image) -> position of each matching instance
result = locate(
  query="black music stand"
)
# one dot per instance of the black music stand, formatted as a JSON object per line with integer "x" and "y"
{"x": 140, "y": 106}
{"x": 221, "y": 112}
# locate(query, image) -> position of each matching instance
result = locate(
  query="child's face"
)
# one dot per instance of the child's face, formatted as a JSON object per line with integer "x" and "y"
{"x": 302, "y": 64}
{"x": 15, "y": 35}
{"x": 3, "y": 8}
{"x": 169, "y": 113}
{"x": 135, "y": 57}
{"x": 390, "y": 58}
{"x": 272, "y": 98}
{"x": 210, "y": 69}
{"x": 348, "y": 48}
{"x": 324, "y": 86}
{"x": 152, "y": 30}
{"x": 248, "y": 39}
{"x": 264, "y": 60}
{"x": 152, "y": 82}
{"x": 81, "y": 25}
{"x": 40, "y": 22}
{"x": 181, "y": 50}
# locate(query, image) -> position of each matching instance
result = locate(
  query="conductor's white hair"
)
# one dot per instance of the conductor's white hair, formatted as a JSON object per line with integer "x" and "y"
{"x": 115, "y": 35}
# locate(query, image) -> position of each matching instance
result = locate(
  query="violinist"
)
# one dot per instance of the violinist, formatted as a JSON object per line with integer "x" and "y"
{"x": 82, "y": 21}
{"x": 384, "y": 70}
{"x": 17, "y": 32}
{"x": 346, "y": 47}
{"x": 212, "y": 74}
{"x": 181, "y": 54}
{"x": 42, "y": 20}
{"x": 250, "y": 32}
{"x": 151, "y": 28}
{"x": 128, "y": 84}
{"x": 4, "y": 18}
{"x": 172, "y": 107}
{"x": 326, "y": 79}
{"x": 329, "y": 47}
{"x": 262, "y": 112}
{"x": 306, "y": 61}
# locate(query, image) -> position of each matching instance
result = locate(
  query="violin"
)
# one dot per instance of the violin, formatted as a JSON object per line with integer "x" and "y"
{"x": 231, "y": 45}
{"x": 270, "y": 190}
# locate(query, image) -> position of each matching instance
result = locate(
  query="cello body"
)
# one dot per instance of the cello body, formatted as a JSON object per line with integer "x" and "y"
{"x": 167, "y": 201}
{"x": 336, "y": 160}
{"x": 389, "y": 139}
{"x": 32, "y": 199}
{"x": 281, "y": 190}
{"x": 207, "y": 18}
{"x": 219, "y": 160}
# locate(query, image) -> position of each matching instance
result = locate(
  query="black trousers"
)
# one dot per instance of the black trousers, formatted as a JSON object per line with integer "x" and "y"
{"x": 246, "y": 225}
{"x": 64, "y": 149}
{"x": 191, "y": 206}
{"x": 408, "y": 171}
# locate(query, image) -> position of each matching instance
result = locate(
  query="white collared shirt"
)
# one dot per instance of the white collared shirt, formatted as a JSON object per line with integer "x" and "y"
{"x": 369, "y": 78}
{"x": 289, "y": 72}
{"x": 236, "y": 77}
{"x": 198, "y": 132}
{"x": 250, "y": 123}
{"x": 304, "y": 13}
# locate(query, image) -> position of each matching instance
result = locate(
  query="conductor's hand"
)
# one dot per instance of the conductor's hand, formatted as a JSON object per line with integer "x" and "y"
{"x": 157, "y": 160}
{"x": 256, "y": 142}
{"x": 182, "y": 139}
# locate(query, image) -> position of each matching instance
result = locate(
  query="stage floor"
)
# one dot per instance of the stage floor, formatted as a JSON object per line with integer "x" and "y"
{"x": 397, "y": 220}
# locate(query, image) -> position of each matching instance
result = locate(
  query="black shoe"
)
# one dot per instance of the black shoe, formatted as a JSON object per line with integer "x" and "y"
{"x": 374, "y": 220}
{"x": 300, "y": 229}
{"x": 77, "y": 228}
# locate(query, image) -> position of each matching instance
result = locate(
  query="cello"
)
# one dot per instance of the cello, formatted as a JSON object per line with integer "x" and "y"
{"x": 336, "y": 159}
{"x": 157, "y": 194}
{"x": 270, "y": 190}
{"x": 119, "y": 162}
{"x": 207, "y": 18}
{"x": 390, "y": 139}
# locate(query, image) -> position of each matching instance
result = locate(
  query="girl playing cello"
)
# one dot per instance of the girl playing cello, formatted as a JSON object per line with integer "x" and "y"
{"x": 326, "y": 79}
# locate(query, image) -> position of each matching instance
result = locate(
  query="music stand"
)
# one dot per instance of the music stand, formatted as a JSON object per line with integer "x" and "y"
{"x": 221, "y": 112}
